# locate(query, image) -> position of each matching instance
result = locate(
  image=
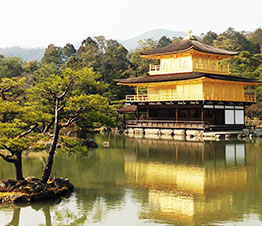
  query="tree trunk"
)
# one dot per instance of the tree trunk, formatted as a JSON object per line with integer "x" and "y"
{"x": 4, "y": 120}
{"x": 46, "y": 210}
{"x": 16, "y": 216}
{"x": 48, "y": 168}
{"x": 18, "y": 166}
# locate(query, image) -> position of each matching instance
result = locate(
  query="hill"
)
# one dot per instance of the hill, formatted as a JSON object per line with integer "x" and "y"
{"x": 156, "y": 34}
{"x": 27, "y": 54}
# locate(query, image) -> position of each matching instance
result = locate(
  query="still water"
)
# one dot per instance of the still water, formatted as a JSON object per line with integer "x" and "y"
{"x": 142, "y": 182}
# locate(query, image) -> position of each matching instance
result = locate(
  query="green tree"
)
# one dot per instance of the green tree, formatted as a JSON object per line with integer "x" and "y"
{"x": 11, "y": 90}
{"x": 209, "y": 38}
{"x": 139, "y": 65}
{"x": 89, "y": 54}
{"x": 14, "y": 131}
{"x": 11, "y": 67}
{"x": 34, "y": 116}
{"x": 61, "y": 97}
{"x": 14, "y": 139}
{"x": 31, "y": 66}
{"x": 45, "y": 70}
{"x": 53, "y": 54}
{"x": 68, "y": 51}
{"x": 164, "y": 41}
{"x": 234, "y": 41}
{"x": 256, "y": 38}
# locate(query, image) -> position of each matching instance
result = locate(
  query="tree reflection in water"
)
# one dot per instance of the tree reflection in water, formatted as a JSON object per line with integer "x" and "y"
{"x": 15, "y": 218}
{"x": 164, "y": 182}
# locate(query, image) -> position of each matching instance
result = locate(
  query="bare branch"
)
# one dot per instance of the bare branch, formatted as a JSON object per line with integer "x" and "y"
{"x": 28, "y": 131}
{"x": 9, "y": 149}
{"x": 61, "y": 108}
{"x": 49, "y": 125}
{"x": 3, "y": 90}
{"x": 71, "y": 83}
{"x": 69, "y": 122}
{"x": 7, "y": 157}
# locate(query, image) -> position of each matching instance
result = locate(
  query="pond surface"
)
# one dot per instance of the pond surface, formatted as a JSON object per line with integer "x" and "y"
{"x": 142, "y": 182}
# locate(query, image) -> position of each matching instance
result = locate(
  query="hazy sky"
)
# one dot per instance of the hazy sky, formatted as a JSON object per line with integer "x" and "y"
{"x": 34, "y": 23}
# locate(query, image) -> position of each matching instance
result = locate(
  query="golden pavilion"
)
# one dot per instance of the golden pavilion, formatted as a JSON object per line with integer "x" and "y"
{"x": 189, "y": 90}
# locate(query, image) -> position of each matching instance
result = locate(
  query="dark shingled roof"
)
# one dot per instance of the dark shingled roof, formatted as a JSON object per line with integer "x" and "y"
{"x": 186, "y": 45}
{"x": 184, "y": 76}
{"x": 127, "y": 108}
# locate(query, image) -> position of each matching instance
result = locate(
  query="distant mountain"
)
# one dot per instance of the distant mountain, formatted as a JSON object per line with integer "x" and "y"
{"x": 27, "y": 54}
{"x": 156, "y": 34}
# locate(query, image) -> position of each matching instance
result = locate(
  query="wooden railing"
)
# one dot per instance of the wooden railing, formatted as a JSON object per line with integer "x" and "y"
{"x": 250, "y": 98}
{"x": 210, "y": 68}
{"x": 162, "y": 97}
{"x": 168, "y": 124}
{"x": 173, "y": 68}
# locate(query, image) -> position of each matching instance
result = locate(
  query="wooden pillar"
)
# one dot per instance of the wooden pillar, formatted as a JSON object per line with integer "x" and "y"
{"x": 176, "y": 114}
{"x": 202, "y": 113}
{"x": 213, "y": 116}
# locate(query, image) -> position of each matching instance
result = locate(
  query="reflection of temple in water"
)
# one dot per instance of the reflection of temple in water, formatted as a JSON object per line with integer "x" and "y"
{"x": 191, "y": 182}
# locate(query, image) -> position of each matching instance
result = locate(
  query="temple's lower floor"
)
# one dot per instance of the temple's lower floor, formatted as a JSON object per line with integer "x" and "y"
{"x": 186, "y": 116}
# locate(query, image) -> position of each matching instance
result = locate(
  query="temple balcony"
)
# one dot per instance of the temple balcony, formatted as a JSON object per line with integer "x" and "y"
{"x": 249, "y": 98}
{"x": 195, "y": 67}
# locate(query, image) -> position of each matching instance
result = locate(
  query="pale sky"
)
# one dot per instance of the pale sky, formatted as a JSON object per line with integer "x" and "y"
{"x": 37, "y": 23}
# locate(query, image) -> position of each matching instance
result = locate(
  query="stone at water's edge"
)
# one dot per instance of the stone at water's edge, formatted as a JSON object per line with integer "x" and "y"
{"x": 90, "y": 143}
{"x": 32, "y": 190}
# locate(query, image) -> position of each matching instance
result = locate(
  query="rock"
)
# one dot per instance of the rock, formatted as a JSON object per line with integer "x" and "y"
{"x": 8, "y": 183}
{"x": 106, "y": 144}
{"x": 43, "y": 196}
{"x": 37, "y": 187}
{"x": 32, "y": 190}
{"x": 89, "y": 143}
{"x": 20, "y": 199}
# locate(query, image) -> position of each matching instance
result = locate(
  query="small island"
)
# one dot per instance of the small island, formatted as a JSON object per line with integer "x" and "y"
{"x": 34, "y": 190}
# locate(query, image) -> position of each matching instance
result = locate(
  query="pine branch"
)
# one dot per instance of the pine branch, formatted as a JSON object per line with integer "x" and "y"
{"x": 9, "y": 149}
{"x": 73, "y": 118}
{"x": 69, "y": 122}
{"x": 28, "y": 131}
{"x": 71, "y": 83}
{"x": 49, "y": 125}
{"x": 3, "y": 90}
{"x": 8, "y": 157}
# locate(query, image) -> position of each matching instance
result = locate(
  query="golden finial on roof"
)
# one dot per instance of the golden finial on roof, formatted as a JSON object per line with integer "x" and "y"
{"x": 189, "y": 36}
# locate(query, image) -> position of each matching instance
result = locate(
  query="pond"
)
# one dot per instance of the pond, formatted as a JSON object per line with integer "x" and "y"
{"x": 142, "y": 182}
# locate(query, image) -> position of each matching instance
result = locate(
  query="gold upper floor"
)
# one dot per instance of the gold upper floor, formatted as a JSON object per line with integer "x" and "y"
{"x": 191, "y": 61}
{"x": 193, "y": 90}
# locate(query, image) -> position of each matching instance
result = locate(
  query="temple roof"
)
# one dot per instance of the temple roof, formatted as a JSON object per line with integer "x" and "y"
{"x": 127, "y": 108}
{"x": 184, "y": 76}
{"x": 186, "y": 45}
